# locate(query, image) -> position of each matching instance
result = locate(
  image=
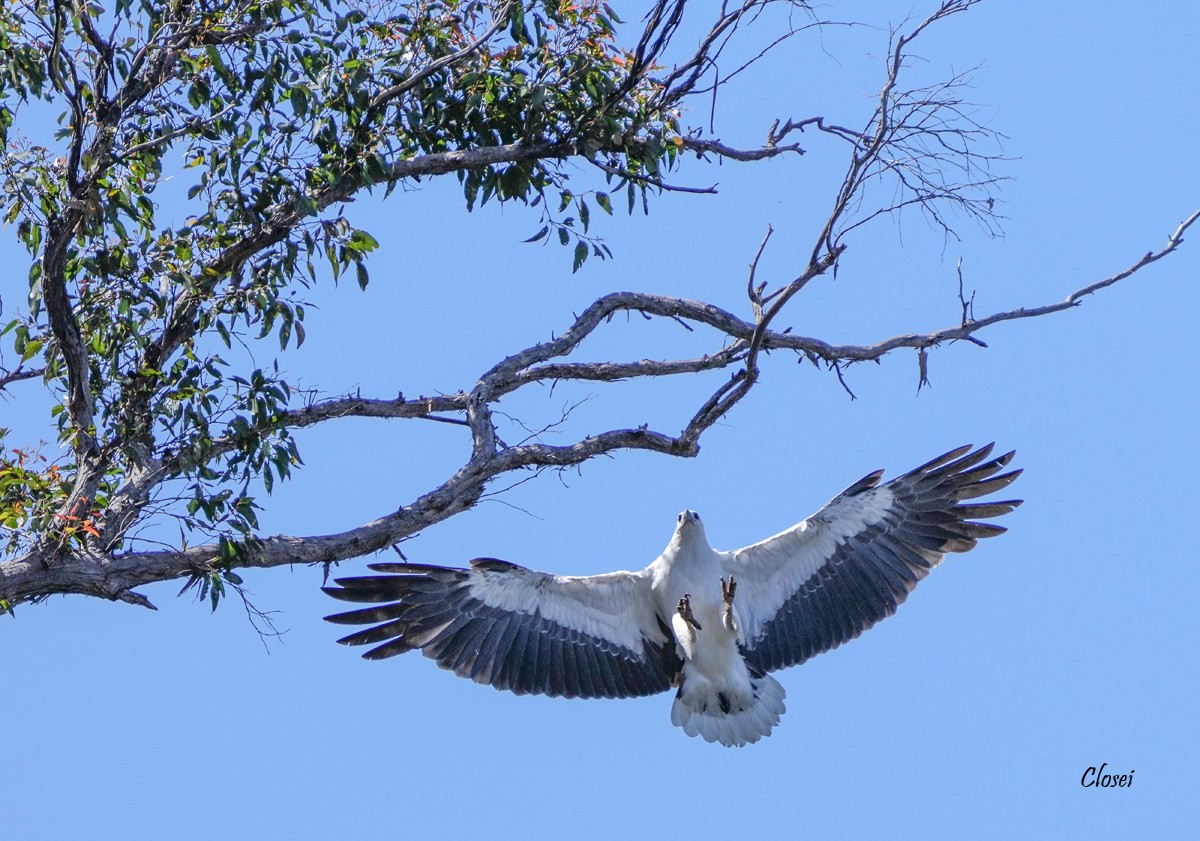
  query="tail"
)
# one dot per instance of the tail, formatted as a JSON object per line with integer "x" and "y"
{"x": 716, "y": 716}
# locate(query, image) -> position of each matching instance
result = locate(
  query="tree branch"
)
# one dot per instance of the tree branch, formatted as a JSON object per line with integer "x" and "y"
{"x": 114, "y": 576}
{"x": 392, "y": 92}
{"x": 771, "y": 150}
{"x": 921, "y": 141}
{"x": 19, "y": 373}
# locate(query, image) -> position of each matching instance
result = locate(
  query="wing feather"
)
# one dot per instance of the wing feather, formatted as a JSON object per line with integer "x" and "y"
{"x": 379, "y": 633}
{"x": 827, "y": 579}
{"x": 370, "y": 614}
{"x": 520, "y": 666}
{"x": 470, "y": 644}
{"x": 489, "y": 663}
{"x": 540, "y": 674}
{"x": 388, "y": 649}
{"x": 557, "y": 681}
{"x": 512, "y": 628}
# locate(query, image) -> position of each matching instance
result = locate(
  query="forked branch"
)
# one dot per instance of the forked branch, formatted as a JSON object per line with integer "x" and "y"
{"x": 922, "y": 148}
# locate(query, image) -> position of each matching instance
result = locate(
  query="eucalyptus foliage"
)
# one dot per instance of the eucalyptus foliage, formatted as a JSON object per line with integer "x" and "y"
{"x": 264, "y": 119}
{"x": 273, "y": 114}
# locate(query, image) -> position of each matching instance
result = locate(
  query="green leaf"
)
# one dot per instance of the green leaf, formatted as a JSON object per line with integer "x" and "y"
{"x": 299, "y": 99}
{"x": 539, "y": 235}
{"x": 31, "y": 348}
{"x": 362, "y": 241}
{"x": 581, "y": 254}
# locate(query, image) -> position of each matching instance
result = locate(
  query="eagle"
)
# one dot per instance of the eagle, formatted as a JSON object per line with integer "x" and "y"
{"x": 711, "y": 624}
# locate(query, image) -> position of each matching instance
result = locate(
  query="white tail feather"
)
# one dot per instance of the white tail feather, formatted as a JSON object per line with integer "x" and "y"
{"x": 702, "y": 715}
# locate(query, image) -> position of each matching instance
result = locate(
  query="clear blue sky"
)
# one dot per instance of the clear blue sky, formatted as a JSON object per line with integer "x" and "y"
{"x": 1069, "y": 642}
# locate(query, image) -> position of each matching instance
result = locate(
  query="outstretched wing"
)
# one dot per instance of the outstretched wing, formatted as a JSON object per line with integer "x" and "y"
{"x": 826, "y": 580}
{"x": 512, "y": 628}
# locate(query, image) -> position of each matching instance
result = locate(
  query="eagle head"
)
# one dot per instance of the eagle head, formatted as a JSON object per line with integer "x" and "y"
{"x": 689, "y": 528}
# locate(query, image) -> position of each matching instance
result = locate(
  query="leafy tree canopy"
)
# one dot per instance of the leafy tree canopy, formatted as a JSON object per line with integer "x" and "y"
{"x": 265, "y": 118}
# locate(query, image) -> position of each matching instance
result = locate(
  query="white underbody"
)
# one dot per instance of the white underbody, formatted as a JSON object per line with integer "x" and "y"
{"x": 718, "y": 697}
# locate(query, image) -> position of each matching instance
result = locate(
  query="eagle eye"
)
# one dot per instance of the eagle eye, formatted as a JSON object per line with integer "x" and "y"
{"x": 695, "y": 516}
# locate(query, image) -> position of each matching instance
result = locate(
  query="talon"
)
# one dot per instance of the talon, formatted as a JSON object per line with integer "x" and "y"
{"x": 685, "y": 611}
{"x": 727, "y": 591}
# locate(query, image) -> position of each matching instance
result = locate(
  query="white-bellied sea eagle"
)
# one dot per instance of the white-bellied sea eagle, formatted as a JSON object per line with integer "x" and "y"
{"x": 712, "y": 624}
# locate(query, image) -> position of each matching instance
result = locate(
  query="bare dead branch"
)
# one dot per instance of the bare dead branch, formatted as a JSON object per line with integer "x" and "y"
{"x": 923, "y": 138}
{"x": 921, "y": 142}
{"x": 532, "y": 364}
{"x": 754, "y": 290}
{"x": 18, "y": 374}
{"x": 968, "y": 305}
{"x": 116, "y": 575}
{"x": 771, "y": 150}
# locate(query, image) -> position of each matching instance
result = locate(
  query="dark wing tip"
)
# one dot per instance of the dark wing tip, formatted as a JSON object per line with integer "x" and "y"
{"x": 864, "y": 484}
{"x": 946, "y": 458}
{"x": 494, "y": 565}
{"x": 983, "y": 510}
{"x": 983, "y": 487}
{"x": 388, "y": 649}
{"x": 932, "y": 498}
{"x": 366, "y": 589}
{"x": 977, "y": 530}
{"x": 347, "y": 594}
{"x": 380, "y": 633}
{"x": 363, "y": 616}
{"x": 337, "y": 618}
{"x": 396, "y": 568}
